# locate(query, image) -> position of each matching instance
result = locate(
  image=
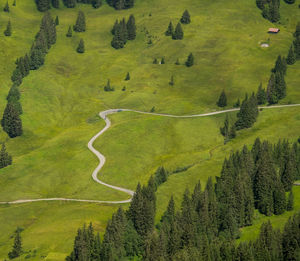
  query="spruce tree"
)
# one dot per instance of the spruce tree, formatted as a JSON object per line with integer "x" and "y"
{"x": 69, "y": 33}
{"x": 43, "y": 5}
{"x": 261, "y": 95}
{"x": 70, "y": 3}
{"x": 170, "y": 30}
{"x": 17, "y": 247}
{"x": 80, "y": 48}
{"x": 178, "y": 33}
{"x": 5, "y": 158}
{"x": 271, "y": 90}
{"x": 6, "y": 7}
{"x": 127, "y": 78}
{"x": 260, "y": 4}
{"x": 56, "y": 21}
{"x": 171, "y": 83}
{"x": 80, "y": 25}
{"x": 55, "y": 3}
{"x": 17, "y": 77}
{"x": 131, "y": 28}
{"x": 14, "y": 2}
{"x": 297, "y": 32}
{"x": 162, "y": 60}
{"x": 155, "y": 61}
{"x": 190, "y": 60}
{"x": 8, "y": 30}
{"x": 297, "y": 47}
{"x": 290, "y": 201}
{"x": 222, "y": 102}
{"x": 185, "y": 19}
{"x": 177, "y": 62}
{"x": 11, "y": 121}
{"x": 96, "y": 3}
{"x": 117, "y": 41}
{"x": 291, "y": 58}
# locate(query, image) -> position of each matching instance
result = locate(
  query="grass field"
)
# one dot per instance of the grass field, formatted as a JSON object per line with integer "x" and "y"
{"x": 61, "y": 101}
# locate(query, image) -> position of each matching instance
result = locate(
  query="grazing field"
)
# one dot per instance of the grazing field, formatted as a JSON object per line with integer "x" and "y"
{"x": 62, "y": 99}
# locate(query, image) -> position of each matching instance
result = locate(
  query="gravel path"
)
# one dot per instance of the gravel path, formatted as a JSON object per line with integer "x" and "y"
{"x": 102, "y": 159}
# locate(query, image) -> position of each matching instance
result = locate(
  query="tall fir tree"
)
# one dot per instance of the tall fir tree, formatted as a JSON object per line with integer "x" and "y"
{"x": 170, "y": 30}
{"x": 131, "y": 28}
{"x": 186, "y": 18}
{"x": 291, "y": 58}
{"x": 5, "y": 158}
{"x": 17, "y": 247}
{"x": 80, "y": 25}
{"x": 70, "y": 3}
{"x": 178, "y": 33}
{"x": 290, "y": 201}
{"x": 261, "y": 95}
{"x": 55, "y": 3}
{"x": 70, "y": 32}
{"x": 6, "y": 7}
{"x": 11, "y": 121}
{"x": 8, "y": 30}
{"x": 190, "y": 60}
{"x": 56, "y": 20}
{"x": 80, "y": 47}
{"x": 222, "y": 102}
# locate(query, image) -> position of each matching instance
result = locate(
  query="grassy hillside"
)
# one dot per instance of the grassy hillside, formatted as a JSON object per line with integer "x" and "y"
{"x": 61, "y": 101}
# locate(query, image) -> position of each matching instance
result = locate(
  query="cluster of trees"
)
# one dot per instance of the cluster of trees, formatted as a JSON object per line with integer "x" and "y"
{"x": 270, "y": 9}
{"x": 5, "y": 158}
{"x": 80, "y": 25}
{"x": 17, "y": 246}
{"x": 121, "y": 4}
{"x": 123, "y": 31}
{"x": 44, "y": 5}
{"x": 294, "y": 52}
{"x": 189, "y": 61}
{"x": 208, "y": 221}
{"x": 276, "y": 89}
{"x": 228, "y": 130}
{"x": 178, "y": 34}
{"x": 11, "y": 121}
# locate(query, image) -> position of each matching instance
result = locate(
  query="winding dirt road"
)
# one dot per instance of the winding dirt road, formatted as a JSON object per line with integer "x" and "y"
{"x": 102, "y": 159}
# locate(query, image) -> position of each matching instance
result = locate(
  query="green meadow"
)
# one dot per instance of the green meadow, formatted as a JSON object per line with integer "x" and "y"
{"x": 62, "y": 99}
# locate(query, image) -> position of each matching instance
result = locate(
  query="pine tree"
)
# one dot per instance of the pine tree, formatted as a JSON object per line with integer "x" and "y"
{"x": 13, "y": 94}
{"x": 69, "y": 33}
{"x": 237, "y": 103}
{"x": 14, "y": 2}
{"x": 260, "y": 4}
{"x": 5, "y": 158}
{"x": 131, "y": 28}
{"x": 6, "y": 7}
{"x": 96, "y": 3}
{"x": 261, "y": 95}
{"x": 11, "y": 121}
{"x": 291, "y": 58}
{"x": 80, "y": 48}
{"x": 177, "y": 62}
{"x": 43, "y": 5}
{"x": 290, "y": 201}
{"x": 70, "y": 3}
{"x": 185, "y": 19}
{"x": 170, "y": 30}
{"x": 297, "y": 32}
{"x": 171, "y": 83}
{"x": 8, "y": 30}
{"x": 80, "y": 25}
{"x": 279, "y": 198}
{"x": 113, "y": 30}
{"x": 222, "y": 102}
{"x": 225, "y": 130}
{"x": 190, "y": 60}
{"x": 17, "y": 247}
{"x": 55, "y": 3}
{"x": 117, "y": 41}
{"x": 274, "y": 11}
{"x": 280, "y": 85}
{"x": 297, "y": 47}
{"x": 107, "y": 87}
{"x": 271, "y": 90}
{"x": 127, "y": 77}
{"x": 155, "y": 61}
{"x": 178, "y": 33}
{"x": 37, "y": 58}
{"x": 288, "y": 174}
{"x": 162, "y": 60}
{"x": 56, "y": 21}
{"x": 17, "y": 77}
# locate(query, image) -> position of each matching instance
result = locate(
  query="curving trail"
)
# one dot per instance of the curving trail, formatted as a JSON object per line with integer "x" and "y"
{"x": 102, "y": 158}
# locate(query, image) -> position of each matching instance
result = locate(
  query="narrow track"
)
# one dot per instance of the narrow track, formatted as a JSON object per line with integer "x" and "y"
{"x": 102, "y": 158}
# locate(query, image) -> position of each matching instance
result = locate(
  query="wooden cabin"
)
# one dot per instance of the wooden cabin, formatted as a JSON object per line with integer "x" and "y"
{"x": 273, "y": 30}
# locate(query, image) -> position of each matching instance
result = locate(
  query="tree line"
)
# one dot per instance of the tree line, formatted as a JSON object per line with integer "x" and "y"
{"x": 11, "y": 121}
{"x": 208, "y": 221}
{"x": 178, "y": 34}
{"x": 123, "y": 31}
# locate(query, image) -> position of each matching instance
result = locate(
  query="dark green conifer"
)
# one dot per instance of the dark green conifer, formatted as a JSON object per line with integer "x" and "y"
{"x": 11, "y": 121}
{"x": 127, "y": 78}
{"x": 297, "y": 32}
{"x": 177, "y": 62}
{"x": 131, "y": 28}
{"x": 297, "y": 47}
{"x": 113, "y": 30}
{"x": 248, "y": 113}
{"x": 6, "y": 7}
{"x": 17, "y": 247}
{"x": 291, "y": 58}
{"x": 271, "y": 90}
{"x": 80, "y": 25}
{"x": 69, "y": 33}
{"x": 43, "y": 5}
{"x": 190, "y": 60}
{"x": 260, "y": 4}
{"x": 96, "y": 3}
{"x": 5, "y": 158}
{"x": 222, "y": 102}
{"x": 237, "y": 104}
{"x": 70, "y": 3}
{"x": 162, "y": 60}
{"x": 155, "y": 61}
{"x": 80, "y": 48}
{"x": 178, "y": 33}
{"x": 55, "y": 3}
{"x": 8, "y": 29}
{"x": 17, "y": 76}
{"x": 290, "y": 201}
{"x": 117, "y": 41}
{"x": 261, "y": 95}
{"x": 279, "y": 198}
{"x": 14, "y": 2}
{"x": 171, "y": 83}
{"x": 185, "y": 19}
{"x": 56, "y": 21}
{"x": 170, "y": 30}
{"x": 107, "y": 87}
